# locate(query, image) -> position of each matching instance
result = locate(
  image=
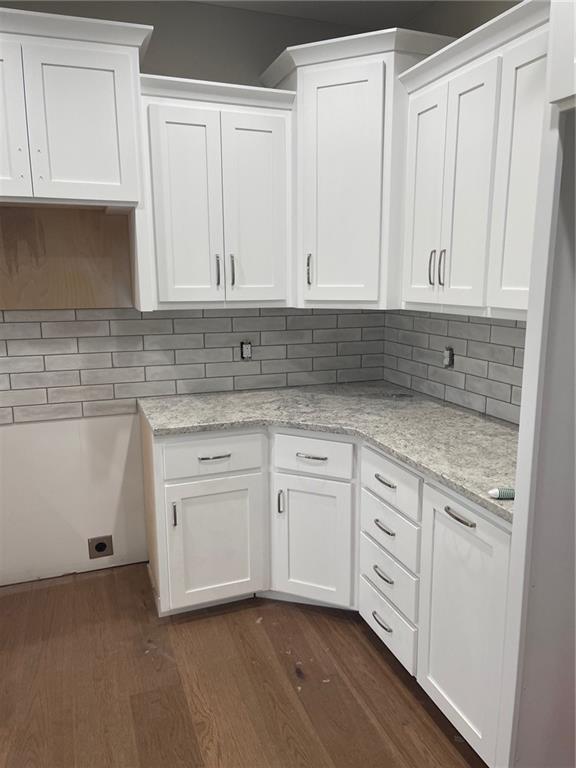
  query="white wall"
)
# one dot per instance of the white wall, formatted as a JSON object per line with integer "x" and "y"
{"x": 63, "y": 482}
{"x": 457, "y": 17}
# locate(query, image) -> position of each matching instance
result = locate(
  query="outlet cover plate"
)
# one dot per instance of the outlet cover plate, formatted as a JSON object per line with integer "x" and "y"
{"x": 100, "y": 546}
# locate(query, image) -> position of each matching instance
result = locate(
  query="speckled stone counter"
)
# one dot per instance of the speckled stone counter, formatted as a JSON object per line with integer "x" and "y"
{"x": 466, "y": 452}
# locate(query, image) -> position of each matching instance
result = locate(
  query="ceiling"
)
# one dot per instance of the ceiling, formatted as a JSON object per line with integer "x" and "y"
{"x": 375, "y": 14}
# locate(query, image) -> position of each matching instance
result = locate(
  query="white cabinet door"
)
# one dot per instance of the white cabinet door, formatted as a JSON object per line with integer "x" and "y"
{"x": 340, "y": 183}
{"x": 187, "y": 190}
{"x": 468, "y": 184}
{"x": 463, "y": 585}
{"x": 522, "y": 107}
{"x": 81, "y": 104}
{"x": 15, "y": 178}
{"x": 216, "y": 531}
{"x": 311, "y": 538}
{"x": 254, "y": 170}
{"x": 425, "y": 173}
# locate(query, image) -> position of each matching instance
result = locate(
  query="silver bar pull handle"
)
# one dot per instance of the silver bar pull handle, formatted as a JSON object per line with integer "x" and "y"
{"x": 384, "y": 528}
{"x": 308, "y": 269}
{"x": 381, "y": 622}
{"x": 232, "y": 270}
{"x": 280, "y": 502}
{"x": 379, "y": 572}
{"x": 218, "y": 274}
{"x": 174, "y": 514}
{"x": 459, "y": 518}
{"x": 385, "y": 482}
{"x": 311, "y": 456}
{"x": 442, "y": 267}
{"x": 431, "y": 265}
{"x": 215, "y": 458}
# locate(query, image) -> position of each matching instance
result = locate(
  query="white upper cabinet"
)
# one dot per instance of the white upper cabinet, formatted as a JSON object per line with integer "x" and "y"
{"x": 341, "y": 166}
{"x": 522, "y": 104}
{"x": 187, "y": 184}
{"x": 69, "y": 97}
{"x": 15, "y": 178}
{"x": 467, "y": 193}
{"x": 255, "y": 190}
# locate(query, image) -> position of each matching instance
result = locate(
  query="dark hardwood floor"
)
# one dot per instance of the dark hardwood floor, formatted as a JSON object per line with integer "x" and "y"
{"x": 91, "y": 678}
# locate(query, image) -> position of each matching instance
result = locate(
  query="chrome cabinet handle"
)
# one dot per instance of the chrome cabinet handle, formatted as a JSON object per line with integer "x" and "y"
{"x": 431, "y": 260}
{"x": 383, "y": 528}
{"x": 385, "y": 482}
{"x": 215, "y": 458}
{"x": 232, "y": 270}
{"x": 381, "y": 622}
{"x": 174, "y": 514}
{"x": 309, "y": 269}
{"x": 311, "y": 456}
{"x": 379, "y": 572}
{"x": 442, "y": 267}
{"x": 218, "y": 275}
{"x": 459, "y": 518}
{"x": 280, "y": 502}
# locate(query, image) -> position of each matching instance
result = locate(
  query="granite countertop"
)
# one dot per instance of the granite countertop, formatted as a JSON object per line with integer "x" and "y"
{"x": 465, "y": 451}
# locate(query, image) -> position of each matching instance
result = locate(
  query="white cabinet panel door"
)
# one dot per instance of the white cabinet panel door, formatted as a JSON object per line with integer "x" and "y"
{"x": 82, "y": 122}
{"x": 425, "y": 173}
{"x": 311, "y": 538}
{"x": 468, "y": 184}
{"x": 522, "y": 107}
{"x": 341, "y": 137}
{"x": 15, "y": 178}
{"x": 463, "y": 586}
{"x": 187, "y": 192}
{"x": 216, "y": 531}
{"x": 254, "y": 169}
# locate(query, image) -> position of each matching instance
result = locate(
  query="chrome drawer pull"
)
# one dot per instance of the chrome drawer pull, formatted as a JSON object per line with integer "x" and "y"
{"x": 215, "y": 458}
{"x": 309, "y": 269}
{"x": 218, "y": 275}
{"x": 232, "y": 270}
{"x": 174, "y": 514}
{"x": 385, "y": 482}
{"x": 381, "y": 622}
{"x": 311, "y": 456}
{"x": 383, "y": 528}
{"x": 379, "y": 572}
{"x": 280, "y": 502}
{"x": 459, "y": 518}
{"x": 431, "y": 269}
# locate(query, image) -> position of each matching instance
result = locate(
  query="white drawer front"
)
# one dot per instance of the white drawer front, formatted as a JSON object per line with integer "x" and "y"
{"x": 396, "y": 534}
{"x": 399, "y": 488}
{"x": 394, "y": 581}
{"x": 392, "y": 628}
{"x": 228, "y": 453}
{"x": 313, "y": 457}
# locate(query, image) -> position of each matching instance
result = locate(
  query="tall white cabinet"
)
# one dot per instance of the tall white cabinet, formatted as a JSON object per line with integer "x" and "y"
{"x": 69, "y": 93}
{"x": 475, "y": 119}
{"x": 214, "y": 225}
{"x": 348, "y": 148}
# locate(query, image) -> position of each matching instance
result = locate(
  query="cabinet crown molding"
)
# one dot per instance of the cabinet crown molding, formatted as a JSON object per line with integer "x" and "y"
{"x": 393, "y": 40}
{"x": 206, "y": 90}
{"x": 18, "y": 22}
{"x": 515, "y": 22}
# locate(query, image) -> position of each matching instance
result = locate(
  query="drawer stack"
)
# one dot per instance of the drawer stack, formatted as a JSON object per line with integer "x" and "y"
{"x": 390, "y": 554}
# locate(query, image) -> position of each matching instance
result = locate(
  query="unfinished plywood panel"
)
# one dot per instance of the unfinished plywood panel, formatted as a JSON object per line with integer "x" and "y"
{"x": 55, "y": 258}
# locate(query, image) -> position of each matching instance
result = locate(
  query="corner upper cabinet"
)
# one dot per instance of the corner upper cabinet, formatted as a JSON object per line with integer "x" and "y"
{"x": 70, "y": 100}
{"x": 349, "y": 143}
{"x": 218, "y": 207}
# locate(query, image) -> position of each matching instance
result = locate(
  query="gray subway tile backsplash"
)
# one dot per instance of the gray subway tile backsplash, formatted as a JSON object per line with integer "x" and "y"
{"x": 58, "y": 364}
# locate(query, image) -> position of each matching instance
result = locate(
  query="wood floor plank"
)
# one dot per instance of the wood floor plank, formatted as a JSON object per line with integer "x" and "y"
{"x": 90, "y": 677}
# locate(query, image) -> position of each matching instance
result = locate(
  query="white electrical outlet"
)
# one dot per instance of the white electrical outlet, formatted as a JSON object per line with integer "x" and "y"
{"x": 246, "y": 350}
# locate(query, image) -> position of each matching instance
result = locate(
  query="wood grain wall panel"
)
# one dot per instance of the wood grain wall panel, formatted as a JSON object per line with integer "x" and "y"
{"x": 60, "y": 258}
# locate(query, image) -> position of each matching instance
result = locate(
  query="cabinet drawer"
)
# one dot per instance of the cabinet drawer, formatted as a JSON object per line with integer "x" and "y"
{"x": 313, "y": 457}
{"x": 399, "y": 488}
{"x": 227, "y": 453}
{"x": 396, "y": 534}
{"x": 395, "y": 582}
{"x": 393, "y": 629}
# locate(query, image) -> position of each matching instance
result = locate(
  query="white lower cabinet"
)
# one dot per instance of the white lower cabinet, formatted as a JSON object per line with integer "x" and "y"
{"x": 464, "y": 576}
{"x": 216, "y": 539}
{"x": 312, "y": 538}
